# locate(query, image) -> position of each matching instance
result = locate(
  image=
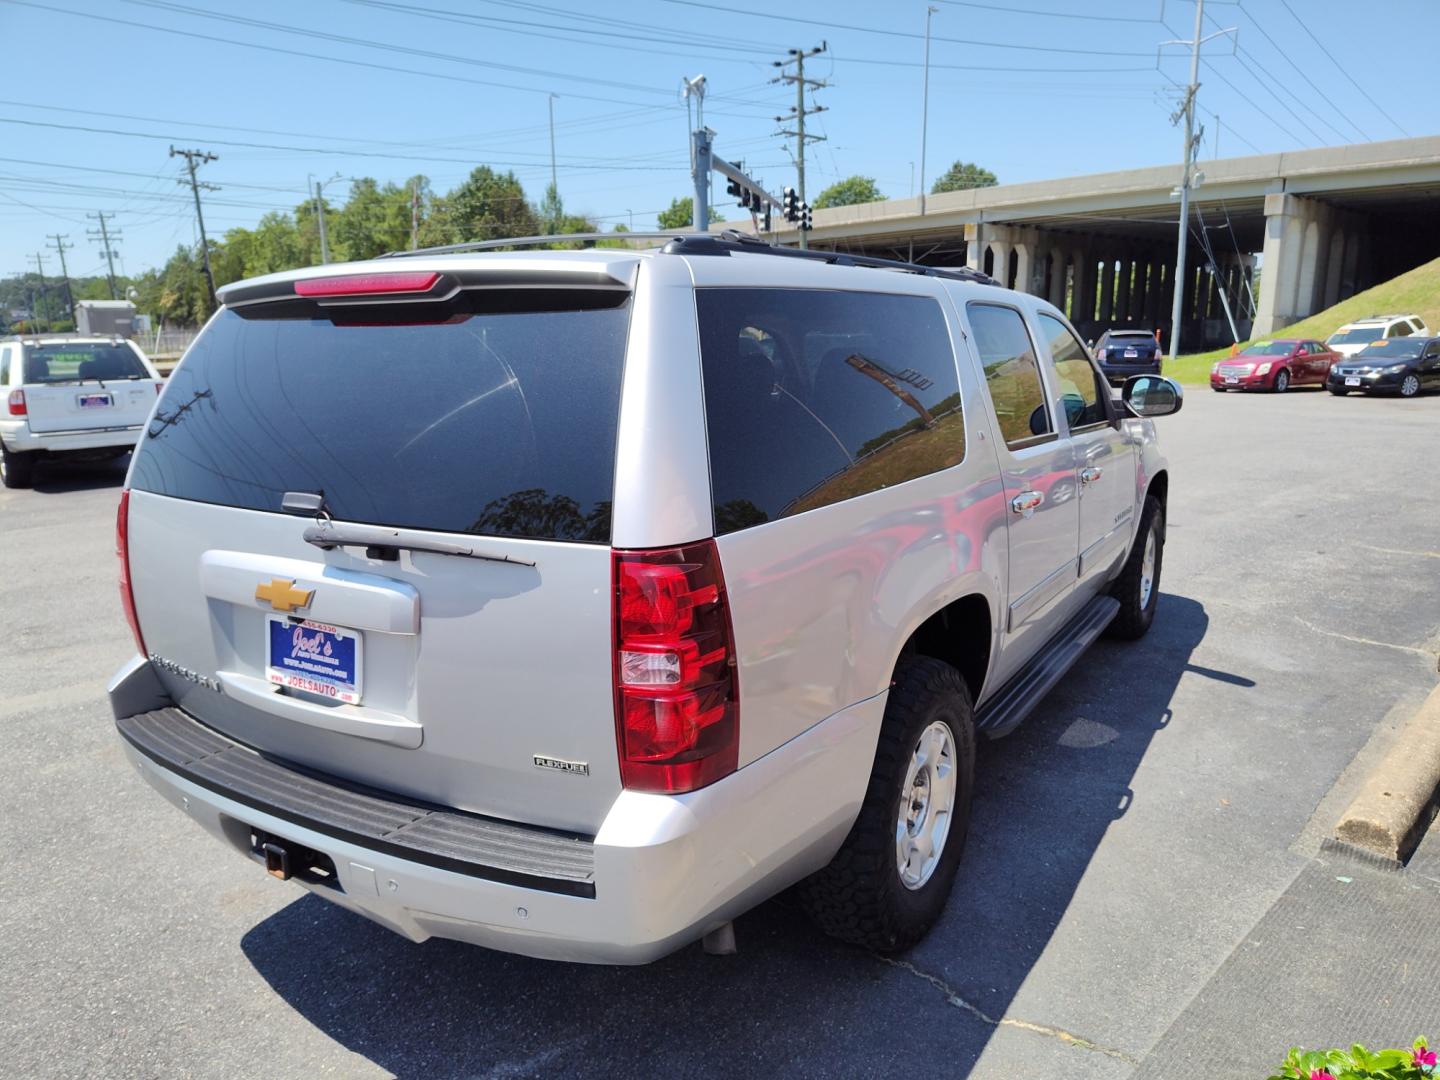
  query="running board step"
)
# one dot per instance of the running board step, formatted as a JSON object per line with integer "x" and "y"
{"x": 1013, "y": 702}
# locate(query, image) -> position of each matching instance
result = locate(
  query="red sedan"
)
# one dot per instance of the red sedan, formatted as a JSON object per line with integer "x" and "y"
{"x": 1275, "y": 364}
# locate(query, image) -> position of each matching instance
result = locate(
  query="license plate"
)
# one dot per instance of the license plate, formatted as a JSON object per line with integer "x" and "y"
{"x": 1130, "y": 353}
{"x": 1352, "y": 382}
{"x": 95, "y": 401}
{"x": 313, "y": 657}
{"x": 1231, "y": 380}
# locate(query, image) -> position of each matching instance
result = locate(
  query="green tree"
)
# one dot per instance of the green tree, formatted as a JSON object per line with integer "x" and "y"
{"x": 681, "y": 213}
{"x": 487, "y": 206}
{"x": 962, "y": 176}
{"x": 848, "y": 192}
{"x": 374, "y": 220}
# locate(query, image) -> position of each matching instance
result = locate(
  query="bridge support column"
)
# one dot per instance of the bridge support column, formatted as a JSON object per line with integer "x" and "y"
{"x": 1024, "y": 265}
{"x": 1106, "y": 314}
{"x": 974, "y": 247}
{"x": 1001, "y": 249}
{"x": 1288, "y": 294}
{"x": 1056, "y": 294}
{"x": 1082, "y": 300}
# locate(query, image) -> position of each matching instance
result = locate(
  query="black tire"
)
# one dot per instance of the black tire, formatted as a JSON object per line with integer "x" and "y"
{"x": 1282, "y": 381}
{"x": 16, "y": 470}
{"x": 1135, "y": 617}
{"x": 1410, "y": 386}
{"x": 860, "y": 897}
{"x": 1338, "y": 391}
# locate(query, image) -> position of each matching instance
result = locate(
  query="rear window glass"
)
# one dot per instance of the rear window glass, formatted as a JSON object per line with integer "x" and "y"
{"x": 815, "y": 396}
{"x": 500, "y": 424}
{"x": 64, "y": 362}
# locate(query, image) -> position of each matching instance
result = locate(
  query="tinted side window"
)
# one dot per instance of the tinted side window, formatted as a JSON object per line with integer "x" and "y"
{"x": 5, "y": 365}
{"x": 1012, "y": 373}
{"x": 1400, "y": 329}
{"x": 1077, "y": 385}
{"x": 814, "y": 396}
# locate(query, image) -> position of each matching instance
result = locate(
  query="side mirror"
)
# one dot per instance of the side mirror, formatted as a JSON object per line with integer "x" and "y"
{"x": 1152, "y": 395}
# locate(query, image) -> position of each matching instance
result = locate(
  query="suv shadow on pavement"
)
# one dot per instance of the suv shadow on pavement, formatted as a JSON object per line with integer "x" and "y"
{"x": 61, "y": 477}
{"x": 791, "y": 1000}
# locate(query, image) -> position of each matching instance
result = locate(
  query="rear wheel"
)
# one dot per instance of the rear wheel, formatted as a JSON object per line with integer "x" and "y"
{"x": 1410, "y": 385}
{"x": 1282, "y": 381}
{"x": 17, "y": 470}
{"x": 890, "y": 880}
{"x": 1138, "y": 586}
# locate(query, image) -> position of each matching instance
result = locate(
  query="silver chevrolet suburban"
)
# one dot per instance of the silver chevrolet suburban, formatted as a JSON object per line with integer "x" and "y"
{"x": 571, "y": 603}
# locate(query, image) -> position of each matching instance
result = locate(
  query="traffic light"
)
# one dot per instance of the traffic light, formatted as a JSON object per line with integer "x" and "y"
{"x": 790, "y": 204}
{"x": 732, "y": 187}
{"x": 805, "y": 223}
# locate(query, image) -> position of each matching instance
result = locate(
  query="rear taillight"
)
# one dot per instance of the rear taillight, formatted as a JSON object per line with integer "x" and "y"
{"x": 677, "y": 702}
{"x": 122, "y": 549}
{"x": 17, "y": 402}
{"x": 368, "y": 284}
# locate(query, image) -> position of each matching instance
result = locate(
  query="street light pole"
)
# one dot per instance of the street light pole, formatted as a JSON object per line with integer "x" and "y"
{"x": 925, "y": 105}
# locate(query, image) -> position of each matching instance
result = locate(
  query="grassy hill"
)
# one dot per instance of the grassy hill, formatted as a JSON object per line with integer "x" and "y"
{"x": 1415, "y": 292}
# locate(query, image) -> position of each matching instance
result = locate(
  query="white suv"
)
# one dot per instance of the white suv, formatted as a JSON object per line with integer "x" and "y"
{"x": 70, "y": 396}
{"x": 1354, "y": 336}
{"x": 573, "y": 603}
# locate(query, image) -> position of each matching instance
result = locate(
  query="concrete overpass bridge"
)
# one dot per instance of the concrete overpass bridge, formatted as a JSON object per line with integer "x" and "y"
{"x": 1327, "y": 223}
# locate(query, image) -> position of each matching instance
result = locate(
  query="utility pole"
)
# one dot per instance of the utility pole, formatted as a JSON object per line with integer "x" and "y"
{"x": 414, "y": 213}
{"x": 925, "y": 105}
{"x": 104, "y": 235}
{"x": 554, "y": 179}
{"x": 798, "y": 112}
{"x": 44, "y": 303}
{"x": 695, "y": 88}
{"x": 1187, "y": 161}
{"x": 60, "y": 248}
{"x": 192, "y": 159}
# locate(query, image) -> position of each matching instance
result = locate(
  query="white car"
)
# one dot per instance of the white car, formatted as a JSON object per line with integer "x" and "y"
{"x": 1354, "y": 336}
{"x": 68, "y": 396}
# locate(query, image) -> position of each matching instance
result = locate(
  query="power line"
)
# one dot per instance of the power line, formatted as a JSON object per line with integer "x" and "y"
{"x": 1251, "y": 102}
{"x": 1256, "y": 78}
{"x": 130, "y": 172}
{"x": 1344, "y": 70}
{"x": 1285, "y": 54}
{"x": 1046, "y": 14}
{"x": 798, "y": 112}
{"x": 890, "y": 33}
{"x": 92, "y": 16}
{"x": 600, "y": 163}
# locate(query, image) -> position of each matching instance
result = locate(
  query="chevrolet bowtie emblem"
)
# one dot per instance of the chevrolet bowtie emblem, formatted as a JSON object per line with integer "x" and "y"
{"x": 283, "y": 595}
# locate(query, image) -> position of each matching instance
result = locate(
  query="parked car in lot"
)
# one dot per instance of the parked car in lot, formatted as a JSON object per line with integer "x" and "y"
{"x": 68, "y": 396}
{"x": 1404, "y": 366}
{"x": 1354, "y": 336}
{"x": 1275, "y": 364}
{"x": 572, "y": 603}
{"x": 1123, "y": 353}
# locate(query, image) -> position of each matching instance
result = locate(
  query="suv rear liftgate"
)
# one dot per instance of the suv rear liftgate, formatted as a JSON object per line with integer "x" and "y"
{"x": 377, "y": 508}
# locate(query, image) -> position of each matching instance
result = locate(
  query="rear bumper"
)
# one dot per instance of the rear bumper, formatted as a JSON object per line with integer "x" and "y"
{"x": 18, "y": 438}
{"x": 1116, "y": 374}
{"x": 662, "y": 870}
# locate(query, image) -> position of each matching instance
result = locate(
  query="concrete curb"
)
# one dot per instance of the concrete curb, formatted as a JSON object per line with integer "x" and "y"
{"x": 1397, "y": 801}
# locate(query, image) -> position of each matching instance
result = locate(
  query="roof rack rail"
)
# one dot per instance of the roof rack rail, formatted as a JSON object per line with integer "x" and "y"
{"x": 726, "y": 242}
{"x": 731, "y": 241}
{"x": 531, "y": 241}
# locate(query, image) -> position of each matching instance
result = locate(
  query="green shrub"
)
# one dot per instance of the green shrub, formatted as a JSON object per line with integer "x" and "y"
{"x": 1357, "y": 1063}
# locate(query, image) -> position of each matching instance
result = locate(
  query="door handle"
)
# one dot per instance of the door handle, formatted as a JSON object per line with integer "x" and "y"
{"x": 1025, "y": 503}
{"x": 1089, "y": 474}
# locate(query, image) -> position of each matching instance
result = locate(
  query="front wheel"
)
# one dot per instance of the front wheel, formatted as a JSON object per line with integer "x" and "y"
{"x": 889, "y": 882}
{"x": 1410, "y": 385}
{"x": 17, "y": 470}
{"x": 1282, "y": 381}
{"x": 1138, "y": 586}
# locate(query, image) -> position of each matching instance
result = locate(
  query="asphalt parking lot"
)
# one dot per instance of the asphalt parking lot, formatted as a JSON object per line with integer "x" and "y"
{"x": 1127, "y": 839}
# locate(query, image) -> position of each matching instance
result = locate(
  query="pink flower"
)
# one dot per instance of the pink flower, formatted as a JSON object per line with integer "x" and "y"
{"x": 1321, "y": 1074}
{"x": 1424, "y": 1057}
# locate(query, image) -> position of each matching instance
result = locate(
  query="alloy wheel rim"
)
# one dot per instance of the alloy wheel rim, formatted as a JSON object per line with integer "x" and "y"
{"x": 1410, "y": 386}
{"x": 927, "y": 804}
{"x": 1147, "y": 570}
{"x": 1282, "y": 382}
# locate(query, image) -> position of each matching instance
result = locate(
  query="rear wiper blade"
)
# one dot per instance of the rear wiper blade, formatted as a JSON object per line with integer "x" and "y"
{"x": 331, "y": 535}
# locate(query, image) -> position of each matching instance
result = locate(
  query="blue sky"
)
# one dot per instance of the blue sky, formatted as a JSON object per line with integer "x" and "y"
{"x": 1021, "y": 88}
